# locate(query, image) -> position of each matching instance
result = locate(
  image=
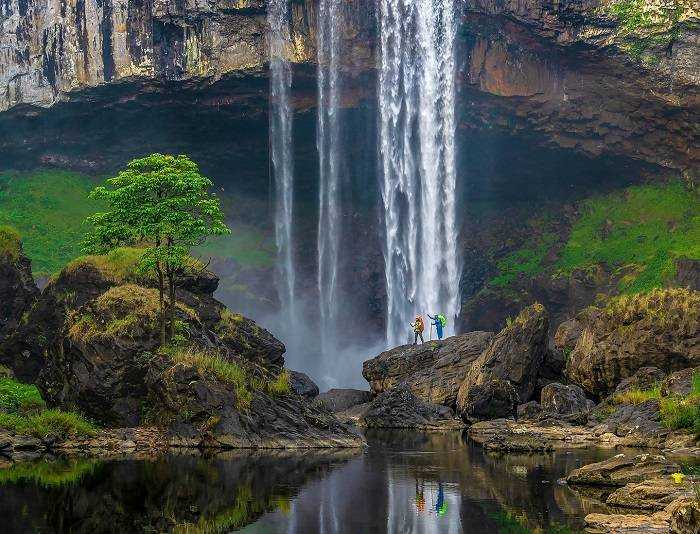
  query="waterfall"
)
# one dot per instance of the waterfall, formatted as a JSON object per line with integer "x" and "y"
{"x": 281, "y": 150}
{"x": 417, "y": 146}
{"x": 328, "y": 143}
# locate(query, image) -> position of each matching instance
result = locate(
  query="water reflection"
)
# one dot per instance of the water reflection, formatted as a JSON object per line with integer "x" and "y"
{"x": 404, "y": 482}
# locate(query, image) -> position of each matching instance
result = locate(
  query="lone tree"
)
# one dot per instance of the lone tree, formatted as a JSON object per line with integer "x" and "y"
{"x": 162, "y": 204}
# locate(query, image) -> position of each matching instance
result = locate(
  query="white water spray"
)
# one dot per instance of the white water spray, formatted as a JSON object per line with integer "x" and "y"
{"x": 281, "y": 151}
{"x": 417, "y": 131}
{"x": 328, "y": 143}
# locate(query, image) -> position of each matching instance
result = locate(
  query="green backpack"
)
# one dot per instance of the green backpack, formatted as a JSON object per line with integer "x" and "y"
{"x": 442, "y": 320}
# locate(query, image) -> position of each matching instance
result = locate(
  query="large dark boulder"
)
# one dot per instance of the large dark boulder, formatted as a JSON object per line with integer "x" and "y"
{"x": 513, "y": 356}
{"x": 18, "y": 292}
{"x": 401, "y": 408}
{"x": 493, "y": 399}
{"x": 433, "y": 370}
{"x": 339, "y": 400}
{"x": 302, "y": 384}
{"x": 659, "y": 329}
{"x": 563, "y": 399}
{"x": 200, "y": 410}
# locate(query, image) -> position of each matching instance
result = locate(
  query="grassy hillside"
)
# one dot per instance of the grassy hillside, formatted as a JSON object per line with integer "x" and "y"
{"x": 638, "y": 233}
{"x": 48, "y": 208}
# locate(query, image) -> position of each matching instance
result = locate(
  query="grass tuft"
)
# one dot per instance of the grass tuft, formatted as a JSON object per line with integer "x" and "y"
{"x": 637, "y": 396}
{"x": 19, "y": 398}
{"x": 10, "y": 243}
{"x": 49, "y": 423}
{"x": 120, "y": 265}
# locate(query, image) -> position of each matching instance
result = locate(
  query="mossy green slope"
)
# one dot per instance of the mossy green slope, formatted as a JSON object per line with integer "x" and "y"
{"x": 48, "y": 208}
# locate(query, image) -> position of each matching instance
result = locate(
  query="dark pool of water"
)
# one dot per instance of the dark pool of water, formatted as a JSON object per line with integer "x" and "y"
{"x": 403, "y": 482}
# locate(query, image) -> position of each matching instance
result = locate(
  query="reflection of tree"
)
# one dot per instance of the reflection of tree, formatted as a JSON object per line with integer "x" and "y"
{"x": 49, "y": 473}
{"x": 173, "y": 493}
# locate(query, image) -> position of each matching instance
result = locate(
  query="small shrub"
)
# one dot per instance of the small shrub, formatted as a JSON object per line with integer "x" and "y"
{"x": 10, "y": 243}
{"x": 55, "y": 423}
{"x": 678, "y": 413}
{"x": 18, "y": 398}
{"x": 280, "y": 385}
{"x": 637, "y": 396}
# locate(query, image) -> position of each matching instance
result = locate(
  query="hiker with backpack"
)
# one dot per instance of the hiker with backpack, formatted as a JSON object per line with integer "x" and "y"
{"x": 418, "y": 327}
{"x": 439, "y": 322}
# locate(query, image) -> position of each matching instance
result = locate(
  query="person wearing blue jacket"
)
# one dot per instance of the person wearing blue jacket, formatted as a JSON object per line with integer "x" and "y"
{"x": 439, "y": 323}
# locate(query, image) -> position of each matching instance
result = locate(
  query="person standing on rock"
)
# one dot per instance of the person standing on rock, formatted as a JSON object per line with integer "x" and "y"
{"x": 418, "y": 328}
{"x": 439, "y": 322}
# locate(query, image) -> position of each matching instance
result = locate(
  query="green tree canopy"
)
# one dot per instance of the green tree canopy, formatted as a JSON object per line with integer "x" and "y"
{"x": 161, "y": 203}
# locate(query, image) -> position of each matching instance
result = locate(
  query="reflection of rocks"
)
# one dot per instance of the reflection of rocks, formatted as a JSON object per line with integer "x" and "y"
{"x": 433, "y": 370}
{"x": 622, "y": 469}
{"x": 171, "y": 494}
{"x": 401, "y": 408}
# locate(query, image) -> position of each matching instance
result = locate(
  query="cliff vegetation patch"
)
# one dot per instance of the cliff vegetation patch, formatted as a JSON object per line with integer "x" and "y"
{"x": 10, "y": 243}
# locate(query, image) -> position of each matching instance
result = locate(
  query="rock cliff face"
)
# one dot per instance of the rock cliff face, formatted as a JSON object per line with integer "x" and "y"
{"x": 577, "y": 75}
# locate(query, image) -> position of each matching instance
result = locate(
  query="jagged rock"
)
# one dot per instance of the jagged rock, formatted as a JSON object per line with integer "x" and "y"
{"x": 303, "y": 385}
{"x": 628, "y": 334}
{"x": 654, "y": 494}
{"x": 685, "y": 516}
{"x": 17, "y": 293}
{"x": 433, "y": 370}
{"x": 678, "y": 383}
{"x": 489, "y": 400}
{"x": 563, "y": 399}
{"x": 644, "y": 378}
{"x": 639, "y": 422}
{"x": 623, "y": 469}
{"x": 401, "y": 408}
{"x": 339, "y": 400}
{"x": 514, "y": 356}
{"x": 201, "y": 411}
{"x": 529, "y": 410}
{"x": 627, "y": 524}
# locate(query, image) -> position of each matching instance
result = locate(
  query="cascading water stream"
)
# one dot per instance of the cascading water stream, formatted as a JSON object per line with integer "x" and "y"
{"x": 417, "y": 146}
{"x": 281, "y": 151}
{"x": 328, "y": 143}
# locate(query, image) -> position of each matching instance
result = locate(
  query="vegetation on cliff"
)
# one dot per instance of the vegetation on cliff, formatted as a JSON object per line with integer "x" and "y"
{"x": 47, "y": 207}
{"x": 637, "y": 233}
{"x": 10, "y": 243}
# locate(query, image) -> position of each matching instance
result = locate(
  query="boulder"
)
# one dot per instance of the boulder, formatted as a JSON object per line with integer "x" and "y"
{"x": 433, "y": 370}
{"x": 658, "y": 329}
{"x": 640, "y": 423}
{"x": 303, "y": 385}
{"x": 401, "y": 408}
{"x": 627, "y": 523}
{"x": 17, "y": 293}
{"x": 489, "y": 400}
{"x": 339, "y": 400}
{"x": 623, "y": 469}
{"x": 514, "y": 356}
{"x": 563, "y": 399}
{"x": 653, "y": 495}
{"x": 529, "y": 410}
{"x": 685, "y": 516}
{"x": 644, "y": 378}
{"x": 199, "y": 410}
{"x": 679, "y": 383}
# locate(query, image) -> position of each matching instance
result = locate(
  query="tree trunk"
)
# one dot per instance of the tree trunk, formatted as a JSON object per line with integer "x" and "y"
{"x": 161, "y": 302}
{"x": 171, "y": 310}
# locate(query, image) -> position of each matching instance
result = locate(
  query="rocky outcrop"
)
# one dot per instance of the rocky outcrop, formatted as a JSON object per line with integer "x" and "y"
{"x": 433, "y": 370}
{"x": 490, "y": 400}
{"x": 678, "y": 383}
{"x": 563, "y": 399}
{"x": 660, "y": 329}
{"x": 302, "y": 384}
{"x": 339, "y": 400}
{"x": 645, "y": 378}
{"x": 17, "y": 293}
{"x": 623, "y": 469}
{"x": 202, "y": 411}
{"x": 513, "y": 356}
{"x": 401, "y": 408}
{"x": 653, "y": 494}
{"x": 627, "y": 523}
